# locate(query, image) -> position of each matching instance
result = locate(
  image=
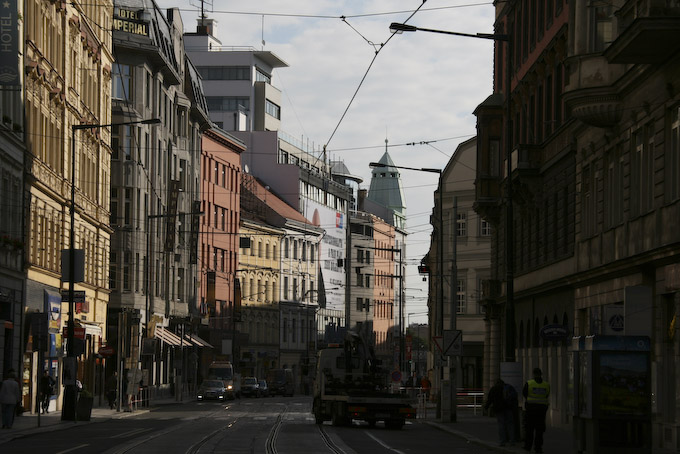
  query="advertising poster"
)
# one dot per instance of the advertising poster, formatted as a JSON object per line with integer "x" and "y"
{"x": 53, "y": 308}
{"x": 624, "y": 384}
{"x": 331, "y": 249}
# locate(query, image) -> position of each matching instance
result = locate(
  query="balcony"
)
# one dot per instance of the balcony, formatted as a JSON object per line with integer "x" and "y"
{"x": 591, "y": 94}
{"x": 648, "y": 32}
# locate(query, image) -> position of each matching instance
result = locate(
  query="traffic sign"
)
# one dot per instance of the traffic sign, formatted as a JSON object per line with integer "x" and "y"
{"x": 396, "y": 376}
{"x": 438, "y": 342}
{"x": 453, "y": 342}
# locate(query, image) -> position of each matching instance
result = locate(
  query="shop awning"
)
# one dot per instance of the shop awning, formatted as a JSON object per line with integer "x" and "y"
{"x": 168, "y": 337}
{"x": 91, "y": 328}
{"x": 197, "y": 341}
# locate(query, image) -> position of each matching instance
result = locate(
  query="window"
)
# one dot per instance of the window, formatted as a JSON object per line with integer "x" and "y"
{"x": 360, "y": 279}
{"x": 614, "y": 189}
{"x": 293, "y": 331}
{"x": 272, "y": 109}
{"x": 485, "y": 228}
{"x": 602, "y": 24}
{"x": 126, "y": 271}
{"x": 261, "y": 76}
{"x": 643, "y": 155}
{"x": 460, "y": 297}
{"x": 286, "y": 248}
{"x": 360, "y": 304}
{"x": 122, "y": 81}
{"x": 368, "y": 257}
{"x": 461, "y": 229}
{"x": 588, "y": 201}
{"x": 360, "y": 255}
{"x": 285, "y": 288}
{"x": 113, "y": 271}
{"x": 304, "y": 250}
{"x": 224, "y": 72}
{"x": 295, "y": 289}
{"x": 284, "y": 336}
{"x": 673, "y": 166}
{"x": 295, "y": 249}
{"x": 227, "y": 103}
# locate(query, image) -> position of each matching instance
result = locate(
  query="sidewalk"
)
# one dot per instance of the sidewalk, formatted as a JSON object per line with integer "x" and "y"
{"x": 483, "y": 430}
{"x": 27, "y": 424}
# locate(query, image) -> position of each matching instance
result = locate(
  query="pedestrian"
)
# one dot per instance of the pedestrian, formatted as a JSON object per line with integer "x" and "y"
{"x": 47, "y": 384}
{"x": 496, "y": 401}
{"x": 10, "y": 396}
{"x": 425, "y": 384}
{"x": 536, "y": 393}
{"x": 111, "y": 387}
{"x": 510, "y": 412}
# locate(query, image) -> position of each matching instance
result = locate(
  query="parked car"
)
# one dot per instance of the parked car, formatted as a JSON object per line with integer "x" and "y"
{"x": 212, "y": 389}
{"x": 264, "y": 389}
{"x": 250, "y": 387}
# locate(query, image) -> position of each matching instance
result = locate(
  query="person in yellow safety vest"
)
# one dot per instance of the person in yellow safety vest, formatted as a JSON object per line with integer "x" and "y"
{"x": 536, "y": 394}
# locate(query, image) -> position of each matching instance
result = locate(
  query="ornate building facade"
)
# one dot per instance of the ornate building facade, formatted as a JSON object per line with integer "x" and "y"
{"x": 68, "y": 62}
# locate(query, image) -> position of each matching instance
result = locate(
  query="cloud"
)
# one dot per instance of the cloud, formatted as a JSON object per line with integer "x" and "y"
{"x": 422, "y": 86}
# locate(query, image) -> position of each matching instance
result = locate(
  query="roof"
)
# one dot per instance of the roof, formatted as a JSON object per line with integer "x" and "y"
{"x": 386, "y": 188}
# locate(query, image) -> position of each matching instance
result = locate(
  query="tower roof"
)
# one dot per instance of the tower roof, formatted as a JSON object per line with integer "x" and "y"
{"x": 386, "y": 188}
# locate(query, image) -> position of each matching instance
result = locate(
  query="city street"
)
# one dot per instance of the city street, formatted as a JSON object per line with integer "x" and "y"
{"x": 264, "y": 425}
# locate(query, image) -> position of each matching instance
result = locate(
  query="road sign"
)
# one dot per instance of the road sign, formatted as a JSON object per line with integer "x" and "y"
{"x": 453, "y": 342}
{"x": 438, "y": 342}
{"x": 396, "y": 376}
{"x": 78, "y": 296}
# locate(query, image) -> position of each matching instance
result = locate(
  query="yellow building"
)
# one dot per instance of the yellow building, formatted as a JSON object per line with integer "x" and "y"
{"x": 68, "y": 63}
{"x": 259, "y": 273}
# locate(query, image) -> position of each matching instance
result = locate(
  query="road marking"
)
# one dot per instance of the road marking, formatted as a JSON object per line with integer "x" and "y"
{"x": 72, "y": 449}
{"x": 130, "y": 433}
{"x": 383, "y": 444}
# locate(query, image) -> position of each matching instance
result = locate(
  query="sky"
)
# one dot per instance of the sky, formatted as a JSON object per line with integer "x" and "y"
{"x": 351, "y": 86}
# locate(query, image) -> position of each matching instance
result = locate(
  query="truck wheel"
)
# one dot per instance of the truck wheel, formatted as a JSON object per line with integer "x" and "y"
{"x": 339, "y": 418}
{"x": 316, "y": 409}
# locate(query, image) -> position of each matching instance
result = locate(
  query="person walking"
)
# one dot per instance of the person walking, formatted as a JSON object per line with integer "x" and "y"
{"x": 46, "y": 390}
{"x": 111, "y": 387}
{"x": 536, "y": 393}
{"x": 496, "y": 401}
{"x": 10, "y": 396}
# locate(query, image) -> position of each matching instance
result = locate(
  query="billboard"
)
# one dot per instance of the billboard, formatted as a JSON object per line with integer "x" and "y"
{"x": 331, "y": 249}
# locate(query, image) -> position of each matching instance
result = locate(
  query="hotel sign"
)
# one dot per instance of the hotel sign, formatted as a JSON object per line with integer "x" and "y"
{"x": 9, "y": 43}
{"x": 129, "y": 21}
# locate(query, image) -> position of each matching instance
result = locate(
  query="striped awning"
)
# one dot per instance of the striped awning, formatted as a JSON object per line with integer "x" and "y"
{"x": 197, "y": 341}
{"x": 168, "y": 337}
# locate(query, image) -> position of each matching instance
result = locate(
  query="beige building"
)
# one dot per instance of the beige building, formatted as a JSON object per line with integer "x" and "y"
{"x": 68, "y": 64}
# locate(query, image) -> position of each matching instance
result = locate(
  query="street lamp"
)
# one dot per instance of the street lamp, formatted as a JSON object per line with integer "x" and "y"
{"x": 396, "y": 27}
{"x": 441, "y": 250}
{"x": 70, "y": 395}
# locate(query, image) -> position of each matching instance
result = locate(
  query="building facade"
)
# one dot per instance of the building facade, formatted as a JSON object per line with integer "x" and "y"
{"x": 154, "y": 194}
{"x": 219, "y": 303}
{"x": 68, "y": 61}
{"x": 12, "y": 221}
{"x": 595, "y": 183}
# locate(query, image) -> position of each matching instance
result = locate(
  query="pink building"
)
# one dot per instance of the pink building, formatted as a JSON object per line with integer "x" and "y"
{"x": 218, "y": 242}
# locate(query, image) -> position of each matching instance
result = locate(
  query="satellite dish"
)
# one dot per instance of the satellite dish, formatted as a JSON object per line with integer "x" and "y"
{"x": 246, "y": 169}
